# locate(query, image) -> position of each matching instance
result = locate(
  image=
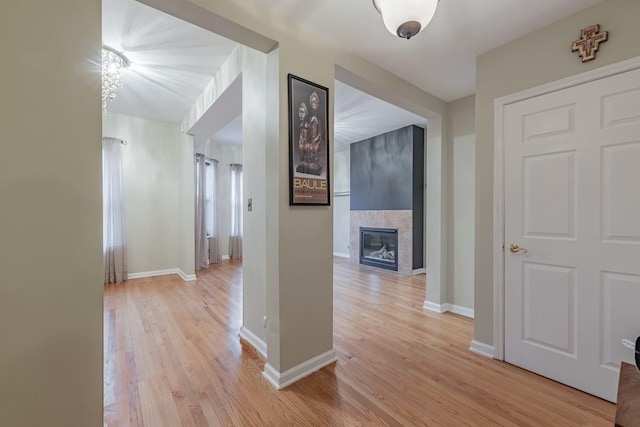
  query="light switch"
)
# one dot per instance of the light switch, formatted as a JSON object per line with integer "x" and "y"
{"x": 250, "y": 205}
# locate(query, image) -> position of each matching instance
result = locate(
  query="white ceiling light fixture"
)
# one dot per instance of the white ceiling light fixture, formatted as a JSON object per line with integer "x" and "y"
{"x": 113, "y": 65}
{"x": 406, "y": 18}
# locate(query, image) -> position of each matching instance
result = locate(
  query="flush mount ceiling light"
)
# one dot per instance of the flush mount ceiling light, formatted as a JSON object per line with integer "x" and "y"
{"x": 406, "y": 18}
{"x": 113, "y": 65}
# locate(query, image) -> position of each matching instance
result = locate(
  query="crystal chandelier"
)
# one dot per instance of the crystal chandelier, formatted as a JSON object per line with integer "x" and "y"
{"x": 406, "y": 18}
{"x": 113, "y": 65}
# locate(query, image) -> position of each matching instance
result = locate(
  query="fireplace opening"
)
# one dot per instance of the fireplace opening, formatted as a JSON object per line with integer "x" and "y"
{"x": 379, "y": 247}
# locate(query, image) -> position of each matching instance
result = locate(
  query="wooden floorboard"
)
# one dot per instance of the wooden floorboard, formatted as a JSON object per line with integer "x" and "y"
{"x": 172, "y": 357}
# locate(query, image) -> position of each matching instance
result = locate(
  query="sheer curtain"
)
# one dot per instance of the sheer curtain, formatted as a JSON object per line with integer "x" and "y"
{"x": 200, "y": 214}
{"x": 114, "y": 246}
{"x": 212, "y": 210}
{"x": 235, "y": 235}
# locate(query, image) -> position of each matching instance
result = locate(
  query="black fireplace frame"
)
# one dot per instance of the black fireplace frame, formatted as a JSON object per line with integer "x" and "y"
{"x": 372, "y": 262}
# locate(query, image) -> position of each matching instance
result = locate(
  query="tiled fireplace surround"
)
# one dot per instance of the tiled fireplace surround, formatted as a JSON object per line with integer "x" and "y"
{"x": 400, "y": 219}
{"x": 387, "y": 191}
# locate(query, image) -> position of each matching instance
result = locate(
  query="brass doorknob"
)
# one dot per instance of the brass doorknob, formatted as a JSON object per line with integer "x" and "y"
{"x": 515, "y": 249}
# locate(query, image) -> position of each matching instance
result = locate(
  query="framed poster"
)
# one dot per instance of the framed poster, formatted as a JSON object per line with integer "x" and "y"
{"x": 308, "y": 143}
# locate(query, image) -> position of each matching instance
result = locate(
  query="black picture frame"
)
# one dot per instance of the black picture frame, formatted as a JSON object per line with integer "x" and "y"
{"x": 309, "y": 177}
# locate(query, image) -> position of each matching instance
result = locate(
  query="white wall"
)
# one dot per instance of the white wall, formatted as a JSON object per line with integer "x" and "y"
{"x": 50, "y": 214}
{"x": 224, "y": 154}
{"x": 461, "y": 237}
{"x": 341, "y": 171}
{"x": 152, "y": 176}
{"x": 341, "y": 203}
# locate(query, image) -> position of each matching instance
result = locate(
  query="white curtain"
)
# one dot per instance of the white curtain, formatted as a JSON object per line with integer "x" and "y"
{"x": 212, "y": 210}
{"x": 114, "y": 246}
{"x": 235, "y": 235}
{"x": 200, "y": 214}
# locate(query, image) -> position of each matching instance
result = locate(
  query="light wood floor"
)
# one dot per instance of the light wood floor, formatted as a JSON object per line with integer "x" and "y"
{"x": 172, "y": 357}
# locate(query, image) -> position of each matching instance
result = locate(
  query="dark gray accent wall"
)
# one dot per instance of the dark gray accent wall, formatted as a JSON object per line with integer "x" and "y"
{"x": 382, "y": 173}
{"x": 387, "y": 173}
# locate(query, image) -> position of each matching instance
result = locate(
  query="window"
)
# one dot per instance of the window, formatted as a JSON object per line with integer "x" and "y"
{"x": 209, "y": 195}
{"x": 206, "y": 212}
{"x": 236, "y": 200}
{"x": 235, "y": 233}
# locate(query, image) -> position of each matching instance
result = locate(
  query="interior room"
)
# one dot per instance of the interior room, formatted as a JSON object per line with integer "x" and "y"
{"x": 171, "y": 63}
{"x": 475, "y": 261}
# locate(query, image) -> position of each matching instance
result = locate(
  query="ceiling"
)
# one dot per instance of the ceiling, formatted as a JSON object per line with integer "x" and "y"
{"x": 359, "y": 116}
{"x": 172, "y": 61}
{"x": 441, "y": 59}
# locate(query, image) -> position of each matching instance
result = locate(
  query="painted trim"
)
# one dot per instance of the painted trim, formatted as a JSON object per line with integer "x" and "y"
{"x": 482, "y": 349}
{"x": 341, "y": 255}
{"x": 225, "y": 258}
{"x": 254, "y": 341}
{"x": 156, "y": 273}
{"x": 153, "y": 273}
{"x": 444, "y": 308}
{"x": 290, "y": 376}
{"x": 418, "y": 271}
{"x": 186, "y": 277}
{"x": 498, "y": 178}
{"x": 462, "y": 311}
{"x": 432, "y": 306}
{"x": 498, "y": 233}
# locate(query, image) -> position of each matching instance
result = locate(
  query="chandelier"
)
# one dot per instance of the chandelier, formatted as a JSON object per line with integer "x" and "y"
{"x": 406, "y": 18}
{"x": 113, "y": 65}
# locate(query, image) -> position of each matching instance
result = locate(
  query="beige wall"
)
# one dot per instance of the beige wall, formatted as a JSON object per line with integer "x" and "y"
{"x": 50, "y": 214}
{"x": 305, "y": 287}
{"x": 541, "y": 57}
{"x": 462, "y": 152}
{"x": 151, "y": 169}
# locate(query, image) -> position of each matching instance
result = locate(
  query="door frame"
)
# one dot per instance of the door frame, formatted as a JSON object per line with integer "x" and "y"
{"x": 499, "y": 183}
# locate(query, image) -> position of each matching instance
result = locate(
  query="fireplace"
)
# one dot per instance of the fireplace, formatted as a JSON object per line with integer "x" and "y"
{"x": 379, "y": 247}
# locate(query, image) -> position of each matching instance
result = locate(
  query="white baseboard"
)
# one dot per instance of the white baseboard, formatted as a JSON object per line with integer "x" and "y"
{"x": 258, "y": 344}
{"x": 341, "y": 255}
{"x": 156, "y": 273}
{"x": 432, "y": 306}
{"x": 186, "y": 277}
{"x": 443, "y": 308}
{"x": 462, "y": 311}
{"x": 225, "y": 257}
{"x": 290, "y": 376}
{"x": 482, "y": 349}
{"x": 419, "y": 271}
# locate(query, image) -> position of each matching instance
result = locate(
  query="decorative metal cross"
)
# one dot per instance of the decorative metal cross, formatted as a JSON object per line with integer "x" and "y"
{"x": 590, "y": 39}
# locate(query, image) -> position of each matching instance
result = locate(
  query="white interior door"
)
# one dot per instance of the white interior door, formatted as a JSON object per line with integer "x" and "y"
{"x": 572, "y": 201}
